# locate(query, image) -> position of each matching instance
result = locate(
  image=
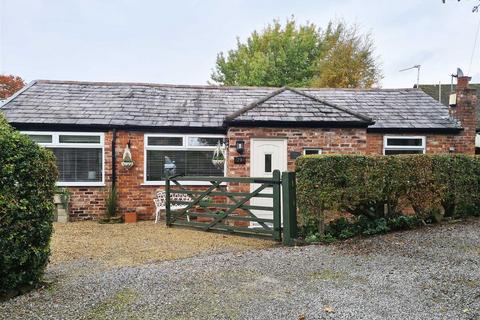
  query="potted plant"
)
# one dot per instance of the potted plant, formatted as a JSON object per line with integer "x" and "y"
{"x": 205, "y": 202}
{"x": 111, "y": 208}
{"x": 130, "y": 217}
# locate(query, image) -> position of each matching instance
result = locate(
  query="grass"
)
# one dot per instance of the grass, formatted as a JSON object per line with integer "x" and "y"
{"x": 140, "y": 243}
{"x": 328, "y": 275}
{"x": 119, "y": 302}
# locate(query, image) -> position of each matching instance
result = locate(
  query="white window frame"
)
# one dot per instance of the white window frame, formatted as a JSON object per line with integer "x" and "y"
{"x": 423, "y": 147}
{"x": 320, "y": 151}
{"x": 56, "y": 144}
{"x": 183, "y": 147}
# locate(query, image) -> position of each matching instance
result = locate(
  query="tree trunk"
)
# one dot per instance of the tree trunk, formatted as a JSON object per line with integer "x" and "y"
{"x": 321, "y": 223}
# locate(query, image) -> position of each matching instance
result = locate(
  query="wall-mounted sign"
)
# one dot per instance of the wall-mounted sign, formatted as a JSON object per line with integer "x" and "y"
{"x": 239, "y": 160}
{"x": 294, "y": 155}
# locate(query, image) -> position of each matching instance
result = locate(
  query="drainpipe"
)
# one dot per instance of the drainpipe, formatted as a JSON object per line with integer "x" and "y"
{"x": 114, "y": 158}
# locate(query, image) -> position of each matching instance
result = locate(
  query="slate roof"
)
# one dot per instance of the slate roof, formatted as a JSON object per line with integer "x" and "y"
{"x": 152, "y": 105}
{"x": 432, "y": 90}
{"x": 278, "y": 106}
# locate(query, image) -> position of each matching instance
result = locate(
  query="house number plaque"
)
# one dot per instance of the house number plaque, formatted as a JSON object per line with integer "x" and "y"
{"x": 239, "y": 160}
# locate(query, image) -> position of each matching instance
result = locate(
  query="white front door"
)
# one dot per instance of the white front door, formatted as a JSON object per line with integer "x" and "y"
{"x": 266, "y": 155}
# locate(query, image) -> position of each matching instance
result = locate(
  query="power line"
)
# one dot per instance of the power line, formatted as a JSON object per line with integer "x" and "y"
{"x": 474, "y": 47}
{"x": 2, "y": 35}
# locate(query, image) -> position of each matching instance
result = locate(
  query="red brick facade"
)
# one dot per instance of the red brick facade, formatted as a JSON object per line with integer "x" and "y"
{"x": 135, "y": 196}
{"x": 435, "y": 143}
{"x": 89, "y": 202}
{"x": 334, "y": 140}
{"x": 465, "y": 111}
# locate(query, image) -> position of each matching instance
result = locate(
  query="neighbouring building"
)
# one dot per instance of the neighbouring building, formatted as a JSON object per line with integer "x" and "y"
{"x": 441, "y": 92}
{"x": 88, "y": 126}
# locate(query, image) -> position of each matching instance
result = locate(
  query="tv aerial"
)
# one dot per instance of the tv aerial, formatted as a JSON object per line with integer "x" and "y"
{"x": 417, "y": 66}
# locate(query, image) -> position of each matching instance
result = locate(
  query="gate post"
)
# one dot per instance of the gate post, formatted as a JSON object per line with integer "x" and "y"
{"x": 168, "y": 213}
{"x": 277, "y": 206}
{"x": 289, "y": 208}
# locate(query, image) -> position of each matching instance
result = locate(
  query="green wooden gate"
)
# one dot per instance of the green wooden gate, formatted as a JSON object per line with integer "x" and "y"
{"x": 216, "y": 208}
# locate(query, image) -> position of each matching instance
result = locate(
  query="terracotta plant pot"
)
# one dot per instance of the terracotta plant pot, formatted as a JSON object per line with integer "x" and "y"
{"x": 130, "y": 217}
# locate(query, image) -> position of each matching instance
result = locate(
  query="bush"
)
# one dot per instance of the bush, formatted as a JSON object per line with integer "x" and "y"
{"x": 27, "y": 186}
{"x": 343, "y": 228}
{"x": 377, "y": 190}
{"x": 459, "y": 175}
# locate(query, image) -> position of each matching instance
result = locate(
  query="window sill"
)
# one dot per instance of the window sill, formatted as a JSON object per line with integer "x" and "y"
{"x": 80, "y": 184}
{"x": 184, "y": 183}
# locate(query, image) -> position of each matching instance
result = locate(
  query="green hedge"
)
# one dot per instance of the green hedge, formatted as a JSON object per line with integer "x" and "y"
{"x": 382, "y": 187}
{"x": 27, "y": 183}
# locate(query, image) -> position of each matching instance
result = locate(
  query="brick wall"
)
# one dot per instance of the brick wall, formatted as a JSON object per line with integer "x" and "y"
{"x": 330, "y": 140}
{"x": 435, "y": 143}
{"x": 466, "y": 113}
{"x": 89, "y": 202}
{"x": 133, "y": 194}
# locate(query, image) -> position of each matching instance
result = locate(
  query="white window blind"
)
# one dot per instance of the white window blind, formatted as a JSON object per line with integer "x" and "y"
{"x": 79, "y": 156}
{"x": 180, "y": 154}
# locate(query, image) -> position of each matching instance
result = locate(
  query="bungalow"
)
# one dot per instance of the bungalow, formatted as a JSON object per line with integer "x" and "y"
{"x": 89, "y": 125}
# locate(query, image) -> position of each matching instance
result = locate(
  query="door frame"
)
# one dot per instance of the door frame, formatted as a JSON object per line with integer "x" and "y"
{"x": 252, "y": 153}
{"x": 285, "y": 142}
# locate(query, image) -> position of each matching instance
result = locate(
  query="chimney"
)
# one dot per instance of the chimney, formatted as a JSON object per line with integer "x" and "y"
{"x": 462, "y": 82}
{"x": 464, "y": 110}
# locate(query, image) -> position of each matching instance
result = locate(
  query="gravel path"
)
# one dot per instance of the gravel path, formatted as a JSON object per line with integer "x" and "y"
{"x": 430, "y": 273}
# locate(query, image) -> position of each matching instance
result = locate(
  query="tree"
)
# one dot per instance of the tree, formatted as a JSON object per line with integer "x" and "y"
{"x": 9, "y": 84}
{"x": 474, "y": 9}
{"x": 348, "y": 59}
{"x": 300, "y": 56}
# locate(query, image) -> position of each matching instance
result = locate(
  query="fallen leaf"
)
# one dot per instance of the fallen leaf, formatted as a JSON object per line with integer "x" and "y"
{"x": 328, "y": 309}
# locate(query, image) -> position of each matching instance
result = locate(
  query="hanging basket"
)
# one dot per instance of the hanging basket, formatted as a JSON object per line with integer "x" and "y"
{"x": 218, "y": 163}
{"x": 127, "y": 161}
{"x": 127, "y": 164}
{"x": 218, "y": 159}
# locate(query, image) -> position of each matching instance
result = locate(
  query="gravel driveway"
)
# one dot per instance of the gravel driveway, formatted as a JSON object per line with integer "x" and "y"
{"x": 429, "y": 273}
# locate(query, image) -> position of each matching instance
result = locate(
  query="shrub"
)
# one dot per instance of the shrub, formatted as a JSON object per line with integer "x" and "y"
{"x": 459, "y": 176}
{"x": 27, "y": 186}
{"x": 343, "y": 228}
{"x": 112, "y": 202}
{"x": 377, "y": 190}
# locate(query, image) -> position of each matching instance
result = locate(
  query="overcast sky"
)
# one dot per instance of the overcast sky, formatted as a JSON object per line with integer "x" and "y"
{"x": 177, "y": 41}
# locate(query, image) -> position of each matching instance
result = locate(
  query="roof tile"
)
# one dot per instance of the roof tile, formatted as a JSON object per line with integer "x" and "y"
{"x": 138, "y": 104}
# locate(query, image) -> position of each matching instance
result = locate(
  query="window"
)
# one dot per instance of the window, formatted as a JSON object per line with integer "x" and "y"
{"x": 180, "y": 154}
{"x": 403, "y": 145}
{"x": 268, "y": 162}
{"x": 79, "y": 156}
{"x": 312, "y": 151}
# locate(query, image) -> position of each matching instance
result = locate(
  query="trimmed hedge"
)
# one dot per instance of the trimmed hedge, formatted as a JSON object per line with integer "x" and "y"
{"x": 383, "y": 187}
{"x": 27, "y": 185}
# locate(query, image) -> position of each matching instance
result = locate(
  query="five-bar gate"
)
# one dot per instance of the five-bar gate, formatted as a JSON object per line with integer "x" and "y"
{"x": 218, "y": 208}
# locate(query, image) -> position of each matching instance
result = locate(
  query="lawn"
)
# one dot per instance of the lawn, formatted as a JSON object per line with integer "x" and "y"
{"x": 140, "y": 243}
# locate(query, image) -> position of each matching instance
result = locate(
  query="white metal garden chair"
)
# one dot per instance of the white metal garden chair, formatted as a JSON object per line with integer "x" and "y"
{"x": 161, "y": 197}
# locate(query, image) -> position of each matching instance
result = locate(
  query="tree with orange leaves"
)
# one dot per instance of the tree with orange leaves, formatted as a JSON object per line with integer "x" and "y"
{"x": 9, "y": 84}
